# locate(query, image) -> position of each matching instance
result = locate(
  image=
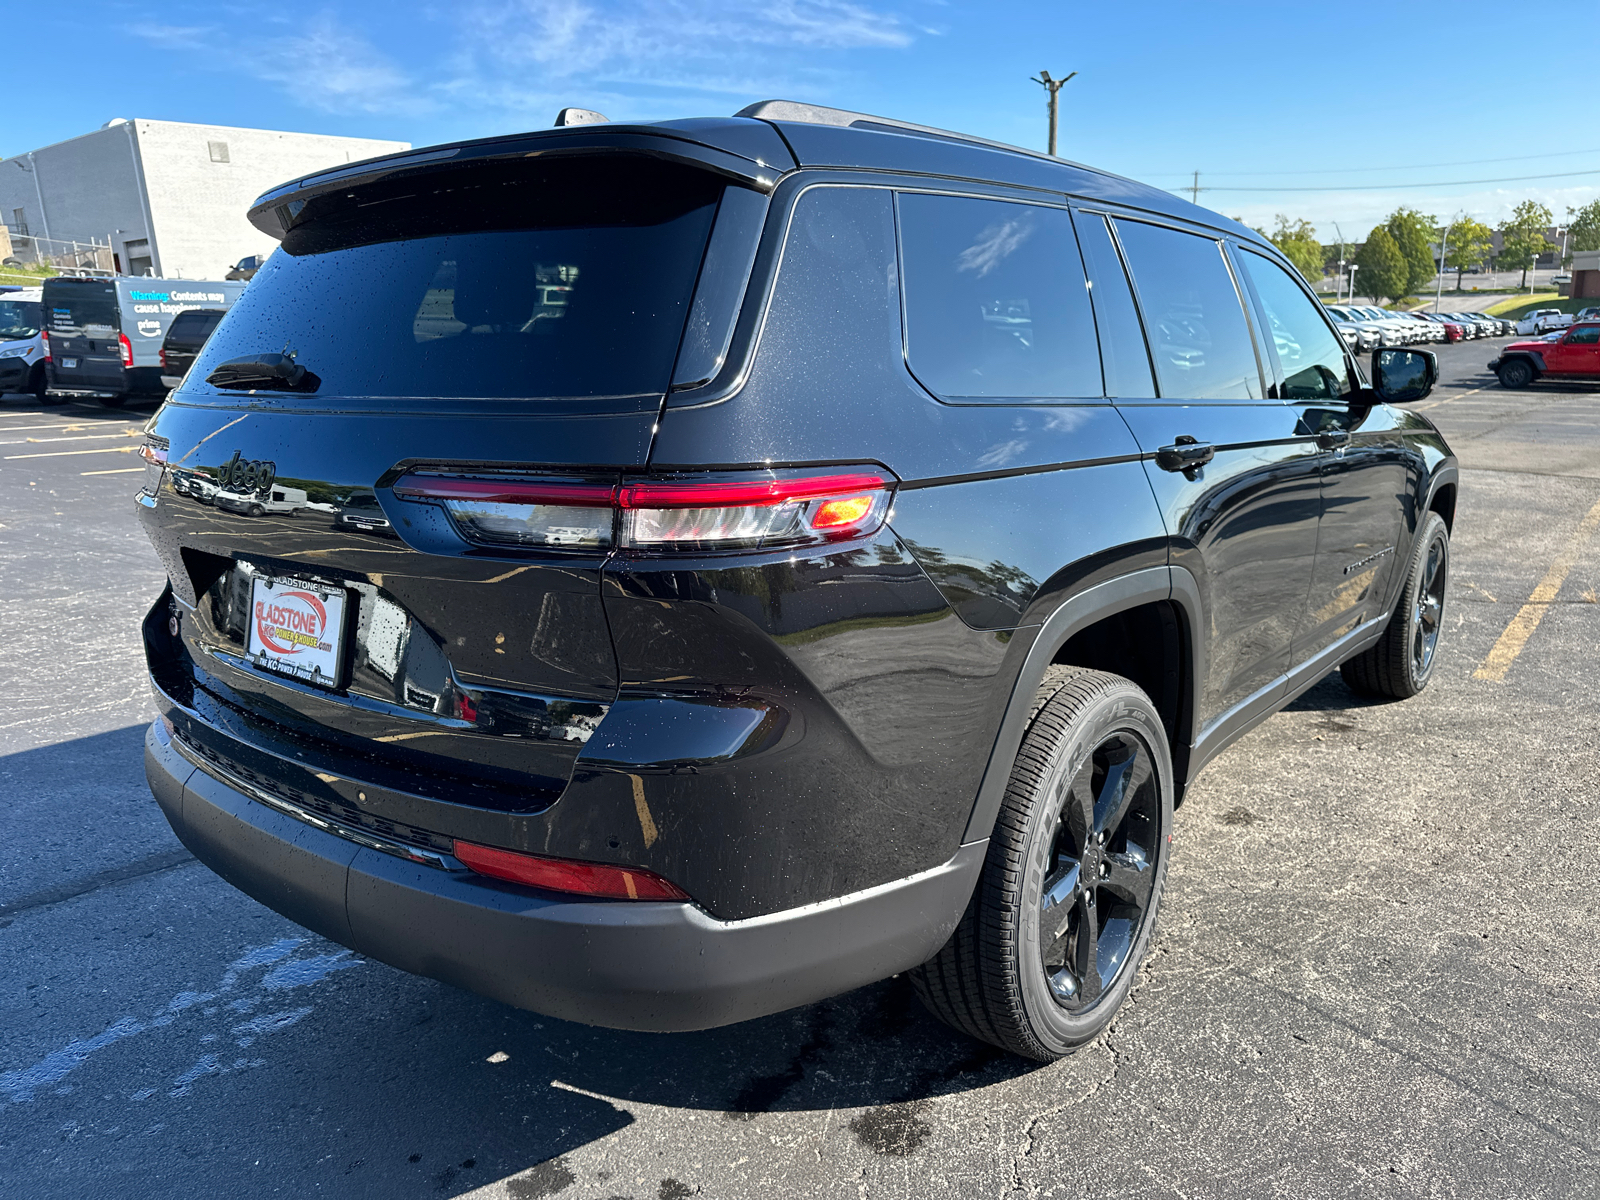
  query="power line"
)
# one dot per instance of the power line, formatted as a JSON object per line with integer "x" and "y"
{"x": 1378, "y": 187}
{"x": 1466, "y": 162}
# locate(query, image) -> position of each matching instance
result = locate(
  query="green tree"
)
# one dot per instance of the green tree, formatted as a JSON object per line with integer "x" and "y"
{"x": 1584, "y": 232}
{"x": 1414, "y": 232}
{"x": 1469, "y": 243}
{"x": 1522, "y": 238}
{"x": 1298, "y": 241}
{"x": 1384, "y": 271}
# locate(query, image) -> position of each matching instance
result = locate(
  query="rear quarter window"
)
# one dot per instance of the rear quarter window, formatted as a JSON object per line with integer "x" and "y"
{"x": 997, "y": 306}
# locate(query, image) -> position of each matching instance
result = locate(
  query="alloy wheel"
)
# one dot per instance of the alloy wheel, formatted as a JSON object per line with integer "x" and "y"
{"x": 1427, "y": 614}
{"x": 1096, "y": 895}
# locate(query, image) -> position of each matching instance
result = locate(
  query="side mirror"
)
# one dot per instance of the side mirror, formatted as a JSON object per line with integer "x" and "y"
{"x": 1401, "y": 376}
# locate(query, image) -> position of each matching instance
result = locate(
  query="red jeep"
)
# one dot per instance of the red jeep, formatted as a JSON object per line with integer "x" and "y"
{"x": 1575, "y": 353}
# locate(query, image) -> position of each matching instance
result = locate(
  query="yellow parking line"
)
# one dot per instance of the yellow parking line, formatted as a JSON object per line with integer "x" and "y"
{"x": 61, "y": 453}
{"x": 118, "y": 471}
{"x": 1448, "y": 399}
{"x": 1522, "y": 625}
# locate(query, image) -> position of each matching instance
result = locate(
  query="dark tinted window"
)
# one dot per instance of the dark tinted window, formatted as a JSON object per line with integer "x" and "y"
{"x": 1311, "y": 354}
{"x": 89, "y": 310}
{"x": 1198, "y": 335}
{"x": 996, "y": 303}
{"x": 19, "y": 319}
{"x": 192, "y": 328}
{"x": 1123, "y": 356}
{"x": 1587, "y": 335}
{"x": 563, "y": 278}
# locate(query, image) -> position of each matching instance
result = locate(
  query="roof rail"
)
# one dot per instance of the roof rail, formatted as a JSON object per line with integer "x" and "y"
{"x": 816, "y": 114}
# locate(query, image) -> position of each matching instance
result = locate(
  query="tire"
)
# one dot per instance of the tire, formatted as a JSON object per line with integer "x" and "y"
{"x": 1517, "y": 373}
{"x": 38, "y": 386}
{"x": 255, "y": 510}
{"x": 1401, "y": 663}
{"x": 1091, "y": 794}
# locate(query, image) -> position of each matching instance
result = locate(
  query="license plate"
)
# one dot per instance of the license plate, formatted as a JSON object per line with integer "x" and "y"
{"x": 69, "y": 363}
{"x": 297, "y": 629}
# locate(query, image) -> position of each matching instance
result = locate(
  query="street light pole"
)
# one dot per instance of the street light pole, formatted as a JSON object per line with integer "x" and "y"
{"x": 1353, "y": 269}
{"x": 1053, "y": 86}
{"x": 1444, "y": 246}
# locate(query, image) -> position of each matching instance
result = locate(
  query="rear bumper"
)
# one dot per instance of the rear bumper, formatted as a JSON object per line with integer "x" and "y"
{"x": 648, "y": 966}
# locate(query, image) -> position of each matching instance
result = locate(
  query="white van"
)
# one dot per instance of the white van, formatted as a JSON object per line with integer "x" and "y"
{"x": 21, "y": 346}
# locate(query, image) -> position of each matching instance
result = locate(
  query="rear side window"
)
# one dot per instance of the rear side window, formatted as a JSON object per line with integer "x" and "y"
{"x": 1192, "y": 314}
{"x": 1311, "y": 354}
{"x": 557, "y": 279}
{"x": 996, "y": 302}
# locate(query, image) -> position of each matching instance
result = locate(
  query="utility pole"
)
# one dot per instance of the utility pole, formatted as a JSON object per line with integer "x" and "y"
{"x": 1053, "y": 86}
{"x": 1195, "y": 189}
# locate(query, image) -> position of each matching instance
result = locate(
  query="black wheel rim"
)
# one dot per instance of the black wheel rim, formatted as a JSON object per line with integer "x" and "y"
{"x": 1097, "y": 891}
{"x": 1427, "y": 614}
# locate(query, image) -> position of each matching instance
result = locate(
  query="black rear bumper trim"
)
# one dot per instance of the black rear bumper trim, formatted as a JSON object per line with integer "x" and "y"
{"x": 662, "y": 967}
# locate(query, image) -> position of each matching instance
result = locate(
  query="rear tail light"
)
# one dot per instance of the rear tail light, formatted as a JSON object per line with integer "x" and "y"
{"x": 45, "y": 338}
{"x": 163, "y": 358}
{"x": 565, "y": 875}
{"x": 659, "y": 515}
{"x": 127, "y": 349}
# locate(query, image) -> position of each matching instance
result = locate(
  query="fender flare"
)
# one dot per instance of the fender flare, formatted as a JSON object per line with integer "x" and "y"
{"x": 1445, "y": 473}
{"x": 1074, "y": 614}
{"x": 1534, "y": 358}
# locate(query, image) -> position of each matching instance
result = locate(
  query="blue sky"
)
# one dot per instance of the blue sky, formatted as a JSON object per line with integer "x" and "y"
{"x": 1317, "y": 111}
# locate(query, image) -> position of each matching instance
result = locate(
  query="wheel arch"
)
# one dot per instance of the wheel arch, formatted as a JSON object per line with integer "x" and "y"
{"x": 1104, "y": 627}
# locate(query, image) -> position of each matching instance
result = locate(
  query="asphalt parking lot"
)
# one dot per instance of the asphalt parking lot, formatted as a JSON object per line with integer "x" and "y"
{"x": 1374, "y": 972}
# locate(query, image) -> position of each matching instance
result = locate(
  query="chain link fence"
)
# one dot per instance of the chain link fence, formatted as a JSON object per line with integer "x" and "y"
{"x": 24, "y": 257}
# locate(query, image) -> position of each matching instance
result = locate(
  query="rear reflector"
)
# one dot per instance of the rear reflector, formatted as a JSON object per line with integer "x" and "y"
{"x": 564, "y": 875}
{"x": 701, "y": 514}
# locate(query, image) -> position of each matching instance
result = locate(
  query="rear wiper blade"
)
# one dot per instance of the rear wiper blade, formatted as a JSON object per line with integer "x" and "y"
{"x": 272, "y": 372}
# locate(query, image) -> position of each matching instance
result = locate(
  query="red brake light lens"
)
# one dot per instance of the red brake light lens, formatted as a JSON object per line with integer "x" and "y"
{"x": 127, "y": 349}
{"x": 565, "y": 875}
{"x": 44, "y": 337}
{"x": 653, "y": 515}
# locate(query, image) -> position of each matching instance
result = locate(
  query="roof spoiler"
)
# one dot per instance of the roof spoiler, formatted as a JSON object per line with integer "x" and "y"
{"x": 275, "y": 212}
{"x": 816, "y": 114}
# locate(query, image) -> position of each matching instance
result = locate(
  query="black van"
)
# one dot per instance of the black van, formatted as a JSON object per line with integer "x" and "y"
{"x": 104, "y": 335}
{"x": 185, "y": 337}
{"x": 823, "y": 547}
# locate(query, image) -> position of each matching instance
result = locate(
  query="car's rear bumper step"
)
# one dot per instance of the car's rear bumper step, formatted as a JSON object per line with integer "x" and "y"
{"x": 628, "y": 965}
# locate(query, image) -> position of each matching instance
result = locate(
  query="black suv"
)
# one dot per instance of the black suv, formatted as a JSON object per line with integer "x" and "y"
{"x": 822, "y": 547}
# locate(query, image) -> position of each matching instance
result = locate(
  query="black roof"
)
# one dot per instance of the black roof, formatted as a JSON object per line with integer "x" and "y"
{"x": 758, "y": 146}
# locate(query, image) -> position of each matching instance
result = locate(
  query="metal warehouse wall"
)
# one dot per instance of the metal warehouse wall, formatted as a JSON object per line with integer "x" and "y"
{"x": 89, "y": 184}
{"x": 198, "y": 205}
{"x": 192, "y": 206}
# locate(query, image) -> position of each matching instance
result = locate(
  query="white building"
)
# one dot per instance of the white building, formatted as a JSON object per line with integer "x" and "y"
{"x": 171, "y": 198}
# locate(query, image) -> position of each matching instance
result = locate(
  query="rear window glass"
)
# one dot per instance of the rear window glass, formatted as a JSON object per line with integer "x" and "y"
{"x": 19, "y": 319}
{"x": 561, "y": 279}
{"x": 1192, "y": 314}
{"x": 87, "y": 311}
{"x": 997, "y": 306}
{"x": 192, "y": 326}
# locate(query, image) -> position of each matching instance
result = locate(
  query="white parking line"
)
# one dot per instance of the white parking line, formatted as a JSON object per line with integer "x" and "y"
{"x": 62, "y": 453}
{"x": 118, "y": 471}
{"x": 87, "y": 437}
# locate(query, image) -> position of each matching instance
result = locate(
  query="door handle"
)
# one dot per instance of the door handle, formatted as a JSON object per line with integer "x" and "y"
{"x": 1332, "y": 439}
{"x": 1186, "y": 454}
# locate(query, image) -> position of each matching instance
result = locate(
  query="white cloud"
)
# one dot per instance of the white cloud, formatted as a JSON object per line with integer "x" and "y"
{"x": 321, "y": 65}
{"x": 327, "y": 67}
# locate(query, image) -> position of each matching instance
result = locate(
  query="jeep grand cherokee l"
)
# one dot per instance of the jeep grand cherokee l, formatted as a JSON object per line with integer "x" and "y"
{"x": 823, "y": 548}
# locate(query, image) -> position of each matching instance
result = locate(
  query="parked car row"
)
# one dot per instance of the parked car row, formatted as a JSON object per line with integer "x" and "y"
{"x": 1376, "y": 328}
